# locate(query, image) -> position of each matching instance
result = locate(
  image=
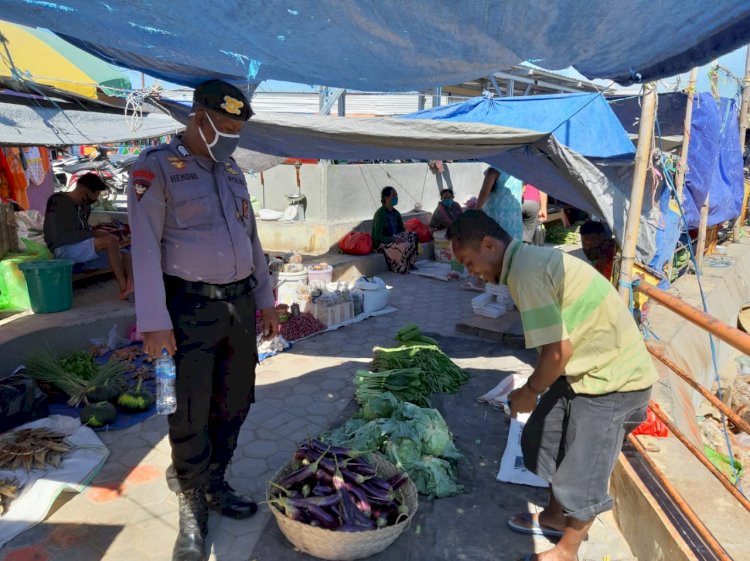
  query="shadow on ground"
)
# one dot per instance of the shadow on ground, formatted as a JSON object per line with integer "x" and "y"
{"x": 470, "y": 526}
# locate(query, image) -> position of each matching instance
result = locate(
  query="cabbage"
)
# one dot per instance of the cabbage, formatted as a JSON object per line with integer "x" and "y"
{"x": 404, "y": 452}
{"x": 434, "y": 477}
{"x": 381, "y": 406}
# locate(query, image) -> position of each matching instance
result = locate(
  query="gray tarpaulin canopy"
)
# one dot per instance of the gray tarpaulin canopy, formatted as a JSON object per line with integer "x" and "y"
{"x": 535, "y": 157}
{"x": 392, "y": 45}
{"x": 48, "y": 125}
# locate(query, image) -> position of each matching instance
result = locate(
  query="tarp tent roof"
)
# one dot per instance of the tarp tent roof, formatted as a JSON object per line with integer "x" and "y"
{"x": 583, "y": 122}
{"x": 533, "y": 156}
{"x": 31, "y": 122}
{"x": 392, "y": 45}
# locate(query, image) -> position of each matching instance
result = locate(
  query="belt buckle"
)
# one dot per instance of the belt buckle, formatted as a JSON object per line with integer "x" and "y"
{"x": 218, "y": 292}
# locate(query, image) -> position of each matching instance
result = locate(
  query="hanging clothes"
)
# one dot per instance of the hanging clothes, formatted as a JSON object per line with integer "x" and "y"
{"x": 17, "y": 171}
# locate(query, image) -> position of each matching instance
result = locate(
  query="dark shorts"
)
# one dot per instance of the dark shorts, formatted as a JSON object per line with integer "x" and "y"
{"x": 573, "y": 441}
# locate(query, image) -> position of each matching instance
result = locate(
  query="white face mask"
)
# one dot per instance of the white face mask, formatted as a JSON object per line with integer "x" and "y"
{"x": 223, "y": 145}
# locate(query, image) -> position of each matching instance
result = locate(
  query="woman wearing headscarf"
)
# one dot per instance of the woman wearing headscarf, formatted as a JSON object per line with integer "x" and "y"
{"x": 390, "y": 236}
{"x": 446, "y": 212}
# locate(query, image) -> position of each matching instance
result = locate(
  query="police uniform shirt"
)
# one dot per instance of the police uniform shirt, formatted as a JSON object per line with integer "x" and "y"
{"x": 190, "y": 218}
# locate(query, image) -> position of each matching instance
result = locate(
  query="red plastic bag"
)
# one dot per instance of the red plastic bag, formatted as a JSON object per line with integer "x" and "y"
{"x": 420, "y": 228}
{"x": 356, "y": 243}
{"x": 652, "y": 426}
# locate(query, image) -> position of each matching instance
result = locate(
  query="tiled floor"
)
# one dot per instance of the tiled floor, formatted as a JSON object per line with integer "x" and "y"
{"x": 128, "y": 513}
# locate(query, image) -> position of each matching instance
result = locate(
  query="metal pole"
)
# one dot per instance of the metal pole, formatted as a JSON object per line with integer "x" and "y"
{"x": 437, "y": 97}
{"x": 342, "y": 104}
{"x": 700, "y": 455}
{"x": 711, "y": 398}
{"x": 745, "y": 108}
{"x": 642, "y": 155}
{"x": 705, "y": 534}
{"x": 682, "y": 168}
{"x": 723, "y": 331}
{"x": 700, "y": 249}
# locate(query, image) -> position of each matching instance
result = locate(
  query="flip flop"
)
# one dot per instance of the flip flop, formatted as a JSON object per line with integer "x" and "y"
{"x": 532, "y": 527}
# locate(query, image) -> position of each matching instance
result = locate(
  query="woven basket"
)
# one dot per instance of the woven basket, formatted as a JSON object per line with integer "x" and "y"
{"x": 346, "y": 546}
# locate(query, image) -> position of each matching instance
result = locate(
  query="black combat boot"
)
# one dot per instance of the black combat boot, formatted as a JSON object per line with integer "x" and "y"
{"x": 221, "y": 497}
{"x": 190, "y": 544}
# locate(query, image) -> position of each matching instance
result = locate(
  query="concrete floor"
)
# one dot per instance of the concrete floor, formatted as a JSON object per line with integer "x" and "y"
{"x": 128, "y": 512}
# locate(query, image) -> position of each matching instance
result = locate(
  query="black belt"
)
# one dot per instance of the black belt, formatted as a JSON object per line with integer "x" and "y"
{"x": 213, "y": 291}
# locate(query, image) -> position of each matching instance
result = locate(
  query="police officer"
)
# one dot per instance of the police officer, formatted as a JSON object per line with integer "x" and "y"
{"x": 199, "y": 274}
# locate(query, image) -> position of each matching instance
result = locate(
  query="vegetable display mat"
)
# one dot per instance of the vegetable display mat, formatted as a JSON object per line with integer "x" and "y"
{"x": 40, "y": 488}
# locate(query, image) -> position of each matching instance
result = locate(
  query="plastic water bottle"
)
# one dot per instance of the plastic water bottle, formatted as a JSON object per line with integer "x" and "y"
{"x": 166, "y": 373}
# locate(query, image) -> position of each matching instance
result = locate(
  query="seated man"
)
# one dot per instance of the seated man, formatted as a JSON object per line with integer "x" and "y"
{"x": 599, "y": 247}
{"x": 69, "y": 236}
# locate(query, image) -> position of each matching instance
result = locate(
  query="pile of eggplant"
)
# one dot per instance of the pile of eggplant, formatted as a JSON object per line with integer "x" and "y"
{"x": 337, "y": 489}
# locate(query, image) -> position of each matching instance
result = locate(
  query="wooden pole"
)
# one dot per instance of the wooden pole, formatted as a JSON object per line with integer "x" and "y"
{"x": 745, "y": 108}
{"x": 642, "y": 156}
{"x": 700, "y": 249}
{"x": 682, "y": 168}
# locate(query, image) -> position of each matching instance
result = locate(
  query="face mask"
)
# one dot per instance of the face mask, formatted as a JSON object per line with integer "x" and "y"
{"x": 447, "y": 203}
{"x": 394, "y": 201}
{"x": 223, "y": 145}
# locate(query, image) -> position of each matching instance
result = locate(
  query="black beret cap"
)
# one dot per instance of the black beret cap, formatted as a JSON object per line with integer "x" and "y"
{"x": 223, "y": 98}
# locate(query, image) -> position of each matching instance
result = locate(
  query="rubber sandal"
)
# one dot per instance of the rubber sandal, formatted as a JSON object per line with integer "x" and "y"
{"x": 532, "y": 527}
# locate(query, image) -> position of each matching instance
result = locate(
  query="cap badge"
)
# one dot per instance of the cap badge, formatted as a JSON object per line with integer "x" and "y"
{"x": 231, "y": 105}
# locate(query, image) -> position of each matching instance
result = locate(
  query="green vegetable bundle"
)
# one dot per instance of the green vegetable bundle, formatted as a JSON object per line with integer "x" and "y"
{"x": 559, "y": 235}
{"x": 410, "y": 334}
{"x": 405, "y": 383}
{"x": 439, "y": 373}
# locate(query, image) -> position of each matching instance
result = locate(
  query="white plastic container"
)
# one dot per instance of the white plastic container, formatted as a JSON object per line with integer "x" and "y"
{"x": 322, "y": 276}
{"x": 287, "y": 286}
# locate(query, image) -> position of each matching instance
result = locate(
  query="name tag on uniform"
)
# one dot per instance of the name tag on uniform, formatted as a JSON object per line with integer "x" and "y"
{"x": 180, "y": 177}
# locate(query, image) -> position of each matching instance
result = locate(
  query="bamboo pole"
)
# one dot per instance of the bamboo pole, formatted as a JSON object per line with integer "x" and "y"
{"x": 642, "y": 156}
{"x": 700, "y": 456}
{"x": 700, "y": 249}
{"x": 682, "y": 168}
{"x": 744, "y": 110}
{"x": 723, "y": 331}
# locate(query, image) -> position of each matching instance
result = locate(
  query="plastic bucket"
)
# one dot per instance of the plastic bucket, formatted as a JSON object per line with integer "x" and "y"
{"x": 288, "y": 284}
{"x": 50, "y": 285}
{"x": 320, "y": 276}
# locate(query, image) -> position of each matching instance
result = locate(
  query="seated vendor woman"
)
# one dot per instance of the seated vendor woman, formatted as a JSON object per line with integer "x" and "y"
{"x": 390, "y": 236}
{"x": 446, "y": 212}
{"x": 69, "y": 236}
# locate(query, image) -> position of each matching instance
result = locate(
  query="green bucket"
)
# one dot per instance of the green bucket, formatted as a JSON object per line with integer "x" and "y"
{"x": 50, "y": 285}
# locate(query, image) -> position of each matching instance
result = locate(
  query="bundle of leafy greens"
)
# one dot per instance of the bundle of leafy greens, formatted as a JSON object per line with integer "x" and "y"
{"x": 405, "y": 384}
{"x": 439, "y": 373}
{"x": 414, "y": 438}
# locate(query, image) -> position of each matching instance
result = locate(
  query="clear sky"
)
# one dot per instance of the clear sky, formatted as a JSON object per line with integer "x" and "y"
{"x": 734, "y": 62}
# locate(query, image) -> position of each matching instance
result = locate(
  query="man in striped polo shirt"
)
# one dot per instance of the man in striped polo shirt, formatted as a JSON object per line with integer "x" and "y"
{"x": 594, "y": 375}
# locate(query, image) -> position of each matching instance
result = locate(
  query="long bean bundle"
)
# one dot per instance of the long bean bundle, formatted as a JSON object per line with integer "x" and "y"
{"x": 439, "y": 373}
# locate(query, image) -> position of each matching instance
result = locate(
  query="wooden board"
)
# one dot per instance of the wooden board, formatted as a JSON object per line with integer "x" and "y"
{"x": 506, "y": 328}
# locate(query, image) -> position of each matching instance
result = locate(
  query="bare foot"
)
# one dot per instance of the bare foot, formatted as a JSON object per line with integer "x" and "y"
{"x": 556, "y": 554}
{"x": 125, "y": 294}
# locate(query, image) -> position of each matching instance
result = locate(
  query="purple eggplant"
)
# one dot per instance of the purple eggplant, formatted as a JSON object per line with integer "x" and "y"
{"x": 399, "y": 479}
{"x": 289, "y": 510}
{"x": 296, "y": 477}
{"x": 322, "y": 447}
{"x": 323, "y": 518}
{"x": 354, "y": 477}
{"x": 324, "y": 477}
{"x": 320, "y": 490}
{"x": 361, "y": 501}
{"x": 329, "y": 500}
{"x": 350, "y": 514}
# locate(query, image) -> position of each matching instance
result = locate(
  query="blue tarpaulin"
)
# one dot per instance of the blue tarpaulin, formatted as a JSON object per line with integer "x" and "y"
{"x": 714, "y": 162}
{"x": 583, "y": 122}
{"x": 392, "y": 45}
